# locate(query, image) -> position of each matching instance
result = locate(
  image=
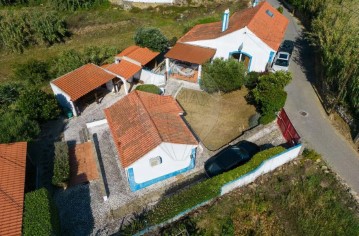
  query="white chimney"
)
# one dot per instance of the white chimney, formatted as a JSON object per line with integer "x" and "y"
{"x": 225, "y": 21}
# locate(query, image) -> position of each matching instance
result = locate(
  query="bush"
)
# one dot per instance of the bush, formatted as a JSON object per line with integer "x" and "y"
{"x": 40, "y": 214}
{"x": 280, "y": 9}
{"x": 222, "y": 75}
{"x": 151, "y": 38}
{"x": 61, "y": 165}
{"x": 38, "y": 105}
{"x": 15, "y": 127}
{"x": 206, "y": 190}
{"x": 150, "y": 88}
{"x": 73, "y": 5}
{"x": 269, "y": 94}
{"x": 34, "y": 72}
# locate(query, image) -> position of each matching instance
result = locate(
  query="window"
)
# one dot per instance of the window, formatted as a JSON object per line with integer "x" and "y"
{"x": 269, "y": 13}
{"x": 154, "y": 161}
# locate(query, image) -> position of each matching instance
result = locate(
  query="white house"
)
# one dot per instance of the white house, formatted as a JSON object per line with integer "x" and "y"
{"x": 152, "y": 140}
{"x": 252, "y": 35}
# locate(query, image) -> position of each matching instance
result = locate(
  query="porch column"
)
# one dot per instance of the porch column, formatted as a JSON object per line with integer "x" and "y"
{"x": 125, "y": 84}
{"x": 74, "y": 110}
{"x": 167, "y": 66}
{"x": 199, "y": 73}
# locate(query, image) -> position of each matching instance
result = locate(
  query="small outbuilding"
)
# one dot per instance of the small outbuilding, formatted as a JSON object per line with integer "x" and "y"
{"x": 152, "y": 140}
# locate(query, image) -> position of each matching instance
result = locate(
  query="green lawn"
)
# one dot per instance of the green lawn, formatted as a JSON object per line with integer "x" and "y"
{"x": 112, "y": 26}
{"x": 301, "y": 199}
{"x": 216, "y": 119}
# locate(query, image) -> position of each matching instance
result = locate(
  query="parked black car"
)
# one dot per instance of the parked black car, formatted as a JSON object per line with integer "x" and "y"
{"x": 230, "y": 158}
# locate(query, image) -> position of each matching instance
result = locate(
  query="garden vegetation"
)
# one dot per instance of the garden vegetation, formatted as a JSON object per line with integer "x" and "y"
{"x": 151, "y": 38}
{"x": 40, "y": 214}
{"x": 61, "y": 165}
{"x": 150, "y": 88}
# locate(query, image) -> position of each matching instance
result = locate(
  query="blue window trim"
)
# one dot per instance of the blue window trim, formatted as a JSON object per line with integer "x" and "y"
{"x": 244, "y": 53}
{"x": 137, "y": 186}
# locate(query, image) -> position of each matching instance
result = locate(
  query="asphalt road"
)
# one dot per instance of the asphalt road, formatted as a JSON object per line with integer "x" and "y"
{"x": 315, "y": 128}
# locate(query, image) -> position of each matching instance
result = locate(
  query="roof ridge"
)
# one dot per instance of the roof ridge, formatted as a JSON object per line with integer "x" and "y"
{"x": 259, "y": 6}
{"x": 148, "y": 113}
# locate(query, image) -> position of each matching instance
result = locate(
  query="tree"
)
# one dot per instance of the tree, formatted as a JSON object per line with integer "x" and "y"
{"x": 269, "y": 94}
{"x": 223, "y": 75}
{"x": 38, "y": 105}
{"x": 9, "y": 93}
{"x": 16, "y": 127}
{"x": 151, "y": 38}
{"x": 34, "y": 72}
{"x": 66, "y": 62}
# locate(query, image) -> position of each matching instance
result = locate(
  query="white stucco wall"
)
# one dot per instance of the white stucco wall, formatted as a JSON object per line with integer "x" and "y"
{"x": 174, "y": 157}
{"x": 63, "y": 98}
{"x": 231, "y": 42}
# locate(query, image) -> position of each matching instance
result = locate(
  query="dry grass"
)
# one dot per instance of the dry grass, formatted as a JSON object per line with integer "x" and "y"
{"x": 216, "y": 119}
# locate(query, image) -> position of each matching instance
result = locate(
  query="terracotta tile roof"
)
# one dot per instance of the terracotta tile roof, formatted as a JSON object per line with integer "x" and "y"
{"x": 12, "y": 184}
{"x": 82, "y": 164}
{"x": 270, "y": 29}
{"x": 141, "y": 121}
{"x": 83, "y": 80}
{"x": 141, "y": 55}
{"x": 124, "y": 69}
{"x": 190, "y": 53}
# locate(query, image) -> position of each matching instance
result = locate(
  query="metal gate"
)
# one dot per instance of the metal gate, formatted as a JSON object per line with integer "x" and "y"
{"x": 286, "y": 127}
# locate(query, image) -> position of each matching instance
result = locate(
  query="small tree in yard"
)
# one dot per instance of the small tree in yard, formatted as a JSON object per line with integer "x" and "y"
{"x": 151, "y": 38}
{"x": 223, "y": 75}
{"x": 38, "y": 105}
{"x": 61, "y": 165}
{"x": 269, "y": 94}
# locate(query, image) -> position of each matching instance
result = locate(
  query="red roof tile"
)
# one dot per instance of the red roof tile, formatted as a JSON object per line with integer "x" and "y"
{"x": 141, "y": 55}
{"x": 190, "y": 53}
{"x": 124, "y": 69}
{"x": 82, "y": 163}
{"x": 270, "y": 29}
{"x": 141, "y": 121}
{"x": 83, "y": 80}
{"x": 12, "y": 184}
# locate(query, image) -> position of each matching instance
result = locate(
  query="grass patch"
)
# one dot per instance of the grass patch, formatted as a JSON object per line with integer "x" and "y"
{"x": 301, "y": 199}
{"x": 216, "y": 119}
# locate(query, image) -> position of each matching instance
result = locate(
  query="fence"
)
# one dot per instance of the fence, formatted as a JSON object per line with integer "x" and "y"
{"x": 286, "y": 127}
{"x": 267, "y": 166}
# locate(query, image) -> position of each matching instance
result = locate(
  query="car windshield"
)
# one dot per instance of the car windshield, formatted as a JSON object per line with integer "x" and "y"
{"x": 281, "y": 62}
{"x": 214, "y": 169}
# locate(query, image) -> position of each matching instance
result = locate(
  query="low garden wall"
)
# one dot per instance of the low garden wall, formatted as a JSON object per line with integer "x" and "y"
{"x": 266, "y": 166}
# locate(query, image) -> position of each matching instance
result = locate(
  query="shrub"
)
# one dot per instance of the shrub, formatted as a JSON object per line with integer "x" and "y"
{"x": 269, "y": 94}
{"x": 38, "y": 105}
{"x": 206, "y": 190}
{"x": 151, "y": 38}
{"x": 61, "y": 165}
{"x": 222, "y": 75}
{"x": 150, "y": 88}
{"x": 280, "y": 9}
{"x": 40, "y": 214}
{"x": 15, "y": 127}
{"x": 73, "y": 5}
{"x": 34, "y": 72}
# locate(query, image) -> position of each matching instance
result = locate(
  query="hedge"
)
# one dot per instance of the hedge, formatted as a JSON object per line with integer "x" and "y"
{"x": 206, "y": 190}
{"x": 61, "y": 165}
{"x": 40, "y": 214}
{"x": 150, "y": 88}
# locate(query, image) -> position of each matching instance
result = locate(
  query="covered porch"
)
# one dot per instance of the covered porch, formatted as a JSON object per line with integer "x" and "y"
{"x": 184, "y": 61}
